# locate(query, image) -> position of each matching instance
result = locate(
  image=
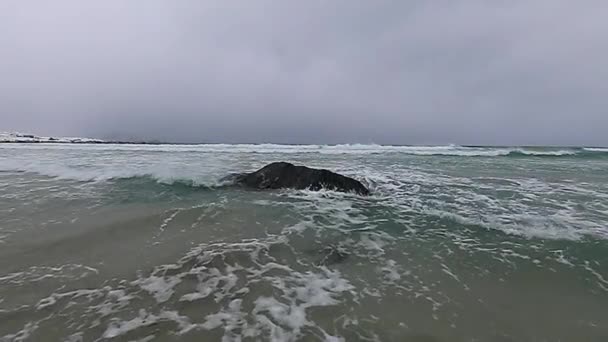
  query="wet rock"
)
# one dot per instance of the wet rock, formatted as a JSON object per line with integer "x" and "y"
{"x": 282, "y": 175}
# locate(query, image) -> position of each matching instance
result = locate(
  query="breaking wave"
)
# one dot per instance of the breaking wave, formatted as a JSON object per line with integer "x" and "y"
{"x": 596, "y": 149}
{"x": 203, "y": 170}
{"x": 115, "y": 172}
{"x": 445, "y": 150}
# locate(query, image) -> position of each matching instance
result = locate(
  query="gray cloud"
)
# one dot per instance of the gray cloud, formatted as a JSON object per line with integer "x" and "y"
{"x": 467, "y": 72}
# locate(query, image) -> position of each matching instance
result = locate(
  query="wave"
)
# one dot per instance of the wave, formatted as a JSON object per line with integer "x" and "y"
{"x": 202, "y": 170}
{"x": 402, "y": 186}
{"x": 135, "y": 175}
{"x": 248, "y": 148}
{"x": 596, "y": 149}
{"x": 357, "y": 149}
{"x": 541, "y": 153}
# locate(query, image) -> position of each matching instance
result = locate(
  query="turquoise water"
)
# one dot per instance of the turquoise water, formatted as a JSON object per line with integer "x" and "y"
{"x": 143, "y": 243}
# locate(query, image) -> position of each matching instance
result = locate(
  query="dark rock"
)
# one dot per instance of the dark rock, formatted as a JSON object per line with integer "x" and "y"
{"x": 285, "y": 175}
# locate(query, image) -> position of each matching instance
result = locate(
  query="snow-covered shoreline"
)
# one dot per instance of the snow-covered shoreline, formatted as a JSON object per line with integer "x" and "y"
{"x": 8, "y": 137}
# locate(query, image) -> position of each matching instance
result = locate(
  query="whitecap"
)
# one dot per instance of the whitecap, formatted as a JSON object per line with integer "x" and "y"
{"x": 596, "y": 149}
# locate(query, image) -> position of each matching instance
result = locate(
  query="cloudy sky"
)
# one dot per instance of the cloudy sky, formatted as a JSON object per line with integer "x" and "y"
{"x": 315, "y": 71}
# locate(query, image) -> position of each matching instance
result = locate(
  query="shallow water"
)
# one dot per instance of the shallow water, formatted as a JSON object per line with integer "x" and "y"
{"x": 141, "y": 243}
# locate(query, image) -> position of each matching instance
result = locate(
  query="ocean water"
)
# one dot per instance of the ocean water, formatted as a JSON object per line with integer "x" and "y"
{"x": 143, "y": 243}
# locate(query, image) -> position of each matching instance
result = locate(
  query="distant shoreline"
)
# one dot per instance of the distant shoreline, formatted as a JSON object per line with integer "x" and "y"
{"x": 94, "y": 142}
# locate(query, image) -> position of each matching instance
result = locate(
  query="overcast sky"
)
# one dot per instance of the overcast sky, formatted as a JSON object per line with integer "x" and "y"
{"x": 314, "y": 71}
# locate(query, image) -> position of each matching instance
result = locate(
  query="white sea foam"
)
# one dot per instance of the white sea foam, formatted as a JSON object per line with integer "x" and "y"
{"x": 160, "y": 287}
{"x": 299, "y": 292}
{"x": 144, "y": 319}
{"x": 545, "y": 152}
{"x": 55, "y": 297}
{"x": 41, "y": 273}
{"x": 446, "y": 150}
{"x": 596, "y": 149}
{"x": 281, "y": 317}
{"x": 230, "y": 318}
{"x": 206, "y": 165}
{"x": 101, "y": 171}
{"x": 390, "y": 271}
{"x": 557, "y": 226}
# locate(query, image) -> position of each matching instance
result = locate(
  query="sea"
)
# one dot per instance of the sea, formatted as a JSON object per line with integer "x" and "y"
{"x": 111, "y": 242}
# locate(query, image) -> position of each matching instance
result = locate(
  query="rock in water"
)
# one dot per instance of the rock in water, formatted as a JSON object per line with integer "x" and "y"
{"x": 285, "y": 175}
